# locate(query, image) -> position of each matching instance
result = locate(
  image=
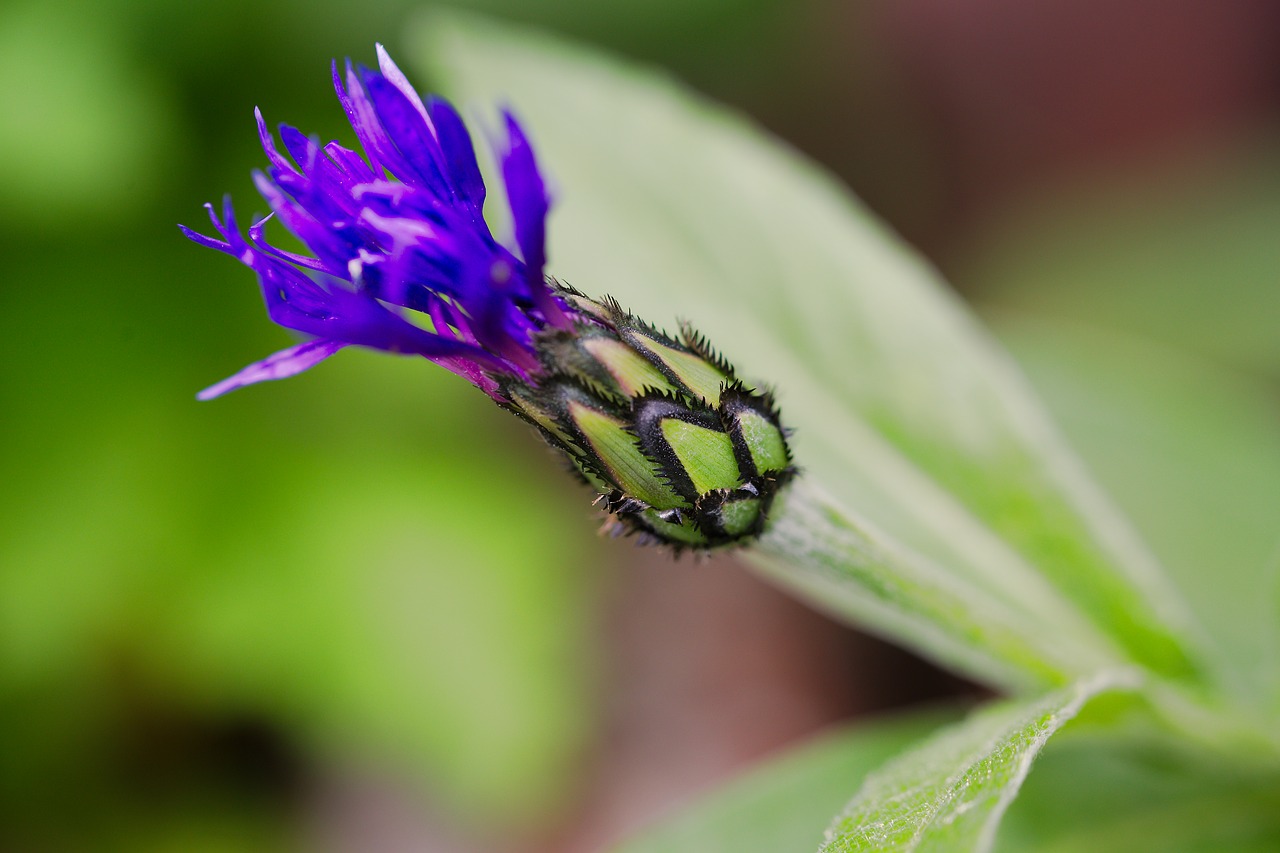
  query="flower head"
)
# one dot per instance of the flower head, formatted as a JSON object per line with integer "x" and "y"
{"x": 402, "y": 260}
{"x": 397, "y": 235}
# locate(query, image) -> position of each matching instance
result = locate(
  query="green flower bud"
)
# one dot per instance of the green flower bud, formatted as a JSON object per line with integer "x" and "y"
{"x": 680, "y": 450}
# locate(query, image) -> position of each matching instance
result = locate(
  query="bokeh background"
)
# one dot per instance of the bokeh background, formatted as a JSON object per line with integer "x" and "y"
{"x": 360, "y": 610}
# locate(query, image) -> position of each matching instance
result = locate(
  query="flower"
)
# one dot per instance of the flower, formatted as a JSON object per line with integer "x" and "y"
{"x": 383, "y": 246}
{"x": 402, "y": 260}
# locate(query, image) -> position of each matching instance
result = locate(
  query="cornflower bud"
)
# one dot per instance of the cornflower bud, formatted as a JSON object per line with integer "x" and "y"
{"x": 679, "y": 449}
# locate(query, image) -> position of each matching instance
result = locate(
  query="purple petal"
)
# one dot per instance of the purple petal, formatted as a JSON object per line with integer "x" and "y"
{"x": 232, "y": 243}
{"x": 301, "y": 148}
{"x": 280, "y": 365}
{"x": 364, "y": 121}
{"x": 296, "y": 302}
{"x": 328, "y": 245}
{"x": 351, "y": 163}
{"x": 393, "y": 73}
{"x": 259, "y": 241}
{"x": 527, "y": 197}
{"x": 459, "y": 154}
{"x": 410, "y": 134}
{"x": 269, "y": 144}
{"x": 395, "y": 235}
{"x": 207, "y": 242}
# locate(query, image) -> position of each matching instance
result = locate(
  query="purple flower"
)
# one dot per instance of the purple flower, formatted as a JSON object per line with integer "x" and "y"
{"x": 401, "y": 257}
{"x": 401, "y": 260}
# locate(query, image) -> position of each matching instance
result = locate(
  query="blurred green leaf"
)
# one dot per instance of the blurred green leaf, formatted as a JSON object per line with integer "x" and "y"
{"x": 1192, "y": 451}
{"x": 782, "y": 804}
{"x": 1099, "y": 794}
{"x": 1182, "y": 253}
{"x": 951, "y": 792}
{"x": 87, "y": 134}
{"x": 918, "y": 428}
{"x": 350, "y": 558}
{"x": 408, "y": 632}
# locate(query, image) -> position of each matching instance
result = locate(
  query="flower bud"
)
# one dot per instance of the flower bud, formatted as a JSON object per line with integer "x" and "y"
{"x": 680, "y": 450}
{"x": 403, "y": 261}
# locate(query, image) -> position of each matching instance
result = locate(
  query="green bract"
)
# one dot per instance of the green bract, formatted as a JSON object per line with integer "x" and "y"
{"x": 681, "y": 451}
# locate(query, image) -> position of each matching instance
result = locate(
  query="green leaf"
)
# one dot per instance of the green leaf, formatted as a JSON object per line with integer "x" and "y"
{"x": 1192, "y": 451}
{"x": 951, "y": 792}
{"x": 92, "y": 105}
{"x": 781, "y": 804}
{"x": 1145, "y": 313}
{"x": 375, "y": 587}
{"x": 850, "y": 569}
{"x": 911, "y": 426}
{"x": 1138, "y": 797}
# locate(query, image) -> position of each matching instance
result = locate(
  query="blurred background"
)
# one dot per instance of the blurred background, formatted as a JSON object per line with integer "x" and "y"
{"x": 359, "y": 610}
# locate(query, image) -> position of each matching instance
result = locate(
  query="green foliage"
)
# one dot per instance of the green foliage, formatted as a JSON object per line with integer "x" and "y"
{"x": 906, "y": 414}
{"x": 950, "y": 792}
{"x": 91, "y": 106}
{"x": 328, "y": 571}
{"x": 939, "y": 505}
{"x": 1166, "y": 383}
{"x": 784, "y": 803}
{"x": 322, "y": 558}
{"x": 1183, "y": 444}
{"x": 1101, "y": 793}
